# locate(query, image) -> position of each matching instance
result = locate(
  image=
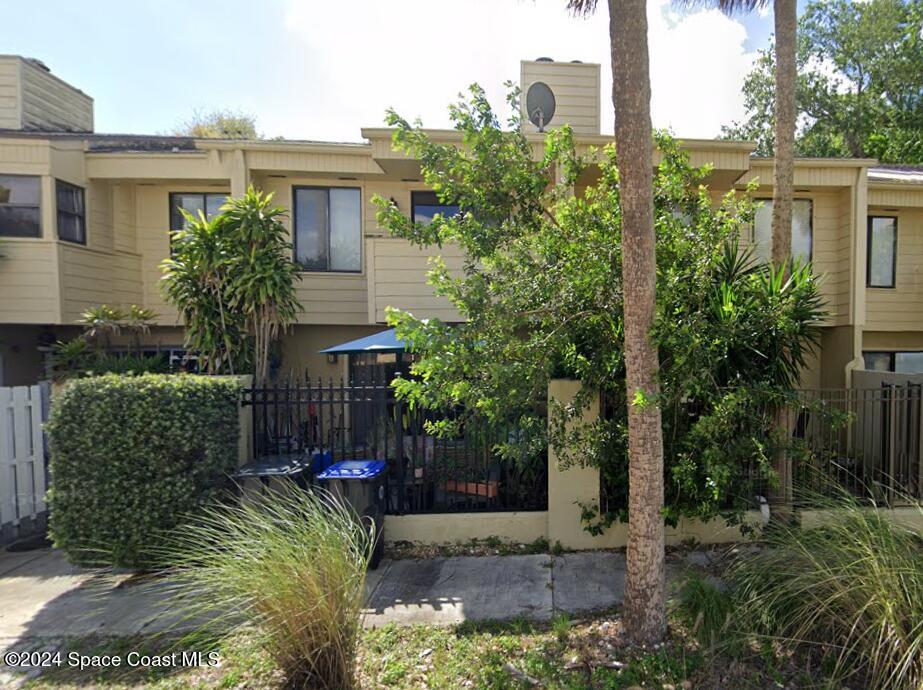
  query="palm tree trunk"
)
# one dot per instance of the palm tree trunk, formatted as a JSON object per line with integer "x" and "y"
{"x": 785, "y": 19}
{"x": 785, "y": 12}
{"x": 645, "y": 616}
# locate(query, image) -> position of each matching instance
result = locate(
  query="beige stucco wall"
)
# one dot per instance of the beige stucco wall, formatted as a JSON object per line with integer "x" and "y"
{"x": 837, "y": 346}
{"x": 21, "y": 363}
{"x": 301, "y": 345}
{"x": 893, "y": 340}
{"x": 450, "y": 528}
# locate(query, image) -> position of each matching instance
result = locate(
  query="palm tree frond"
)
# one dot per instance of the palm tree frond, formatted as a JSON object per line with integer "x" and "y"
{"x": 582, "y": 7}
{"x": 726, "y": 6}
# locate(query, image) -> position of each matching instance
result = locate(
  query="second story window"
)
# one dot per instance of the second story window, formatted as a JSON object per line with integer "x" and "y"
{"x": 882, "y": 252}
{"x": 20, "y": 206}
{"x": 900, "y": 362}
{"x": 802, "y": 233}
{"x": 328, "y": 228}
{"x": 192, "y": 202}
{"x": 72, "y": 221}
{"x": 425, "y": 205}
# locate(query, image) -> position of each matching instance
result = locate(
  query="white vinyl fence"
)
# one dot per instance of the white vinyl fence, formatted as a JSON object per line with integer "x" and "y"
{"x": 22, "y": 460}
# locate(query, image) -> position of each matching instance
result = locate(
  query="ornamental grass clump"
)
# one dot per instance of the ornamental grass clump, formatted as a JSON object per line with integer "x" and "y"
{"x": 289, "y": 565}
{"x": 852, "y": 589}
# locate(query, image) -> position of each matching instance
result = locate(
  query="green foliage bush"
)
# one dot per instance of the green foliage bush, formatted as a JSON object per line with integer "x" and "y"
{"x": 541, "y": 293}
{"x": 130, "y": 456}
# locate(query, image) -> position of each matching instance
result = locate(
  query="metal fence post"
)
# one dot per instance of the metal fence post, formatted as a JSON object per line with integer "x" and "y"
{"x": 892, "y": 440}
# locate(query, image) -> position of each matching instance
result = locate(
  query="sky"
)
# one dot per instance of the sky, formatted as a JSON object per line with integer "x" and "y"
{"x": 307, "y": 69}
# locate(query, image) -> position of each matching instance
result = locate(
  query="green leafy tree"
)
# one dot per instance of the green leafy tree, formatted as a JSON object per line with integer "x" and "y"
{"x": 231, "y": 277}
{"x": 860, "y": 86}
{"x": 219, "y": 124}
{"x": 542, "y": 295}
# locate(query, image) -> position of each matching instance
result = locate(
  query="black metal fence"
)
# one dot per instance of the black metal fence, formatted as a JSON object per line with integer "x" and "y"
{"x": 864, "y": 439}
{"x": 325, "y": 422}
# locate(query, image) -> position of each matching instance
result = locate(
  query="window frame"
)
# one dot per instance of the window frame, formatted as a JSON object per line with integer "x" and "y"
{"x": 41, "y": 229}
{"x": 892, "y": 356}
{"x": 171, "y": 205}
{"x": 294, "y": 207}
{"x": 868, "y": 254}
{"x": 413, "y": 203}
{"x": 810, "y": 224}
{"x": 82, "y": 217}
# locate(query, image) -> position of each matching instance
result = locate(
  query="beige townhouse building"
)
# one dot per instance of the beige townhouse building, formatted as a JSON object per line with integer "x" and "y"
{"x": 85, "y": 219}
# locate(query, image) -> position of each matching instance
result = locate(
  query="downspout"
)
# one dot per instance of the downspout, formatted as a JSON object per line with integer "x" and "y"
{"x": 857, "y": 298}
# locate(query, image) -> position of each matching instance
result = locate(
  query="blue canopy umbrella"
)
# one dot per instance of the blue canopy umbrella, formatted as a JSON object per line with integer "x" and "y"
{"x": 385, "y": 341}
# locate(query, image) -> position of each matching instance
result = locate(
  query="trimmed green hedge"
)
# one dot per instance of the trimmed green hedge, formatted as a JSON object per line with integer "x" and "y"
{"x": 132, "y": 455}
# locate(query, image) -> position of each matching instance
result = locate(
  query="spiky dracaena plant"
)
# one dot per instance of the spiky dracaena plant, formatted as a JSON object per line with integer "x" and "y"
{"x": 263, "y": 275}
{"x": 291, "y": 564}
{"x": 196, "y": 280}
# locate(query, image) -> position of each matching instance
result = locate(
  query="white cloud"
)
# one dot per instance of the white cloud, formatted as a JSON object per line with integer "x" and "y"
{"x": 355, "y": 59}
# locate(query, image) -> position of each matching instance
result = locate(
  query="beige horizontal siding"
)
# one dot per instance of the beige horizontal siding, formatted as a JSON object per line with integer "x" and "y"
{"x": 912, "y": 196}
{"x": 9, "y": 93}
{"x": 398, "y": 279}
{"x": 28, "y": 282}
{"x": 576, "y": 90}
{"x": 901, "y": 307}
{"x": 805, "y": 175}
{"x": 90, "y": 278}
{"x": 49, "y": 103}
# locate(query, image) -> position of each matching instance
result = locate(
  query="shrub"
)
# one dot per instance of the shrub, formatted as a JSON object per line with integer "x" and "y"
{"x": 130, "y": 455}
{"x": 707, "y": 611}
{"x": 852, "y": 588}
{"x": 290, "y": 563}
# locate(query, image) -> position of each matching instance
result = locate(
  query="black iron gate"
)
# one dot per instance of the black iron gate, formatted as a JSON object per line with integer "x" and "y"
{"x": 427, "y": 472}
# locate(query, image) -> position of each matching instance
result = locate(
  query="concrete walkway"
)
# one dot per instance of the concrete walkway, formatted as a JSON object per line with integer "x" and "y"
{"x": 43, "y": 599}
{"x": 42, "y": 596}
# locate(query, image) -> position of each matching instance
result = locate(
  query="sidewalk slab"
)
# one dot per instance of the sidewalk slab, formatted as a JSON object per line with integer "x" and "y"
{"x": 588, "y": 581}
{"x": 443, "y": 591}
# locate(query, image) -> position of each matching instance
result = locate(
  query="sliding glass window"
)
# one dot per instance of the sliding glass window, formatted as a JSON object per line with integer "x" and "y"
{"x": 328, "y": 228}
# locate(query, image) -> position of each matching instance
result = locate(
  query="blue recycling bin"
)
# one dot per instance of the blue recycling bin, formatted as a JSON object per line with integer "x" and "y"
{"x": 320, "y": 461}
{"x": 362, "y": 484}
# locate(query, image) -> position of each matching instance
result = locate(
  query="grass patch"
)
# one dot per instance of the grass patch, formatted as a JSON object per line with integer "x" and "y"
{"x": 511, "y": 655}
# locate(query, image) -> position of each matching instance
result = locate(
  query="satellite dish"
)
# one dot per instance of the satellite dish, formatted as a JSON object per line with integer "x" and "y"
{"x": 540, "y": 105}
